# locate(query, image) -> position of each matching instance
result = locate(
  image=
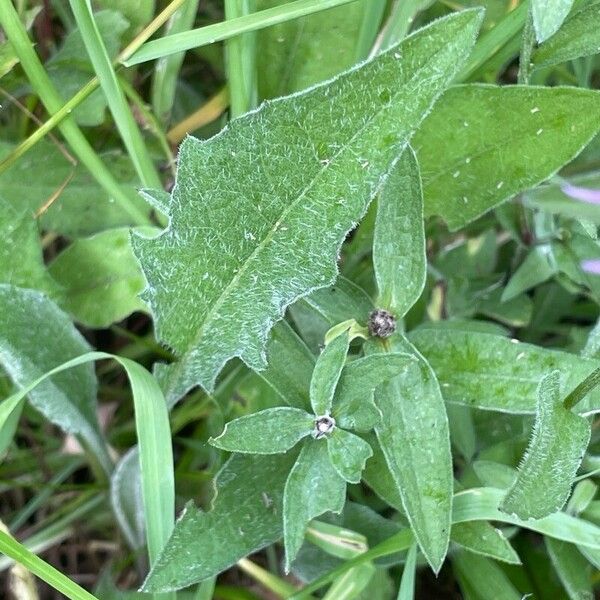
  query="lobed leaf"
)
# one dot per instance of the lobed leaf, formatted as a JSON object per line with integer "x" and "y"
{"x": 491, "y": 372}
{"x": 558, "y": 444}
{"x": 313, "y": 487}
{"x": 244, "y": 243}
{"x": 413, "y": 434}
{"x": 483, "y": 144}
{"x": 269, "y": 431}
{"x": 399, "y": 242}
{"x": 348, "y": 454}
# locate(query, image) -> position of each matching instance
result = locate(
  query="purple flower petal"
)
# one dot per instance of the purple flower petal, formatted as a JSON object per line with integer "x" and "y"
{"x": 591, "y": 266}
{"x": 581, "y": 193}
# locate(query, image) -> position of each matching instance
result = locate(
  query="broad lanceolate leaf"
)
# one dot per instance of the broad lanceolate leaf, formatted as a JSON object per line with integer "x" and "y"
{"x": 494, "y": 373}
{"x": 548, "y": 16}
{"x": 313, "y": 487}
{"x": 101, "y": 278}
{"x": 327, "y": 373}
{"x": 244, "y": 242}
{"x": 482, "y": 538}
{"x": 348, "y": 454}
{"x": 354, "y": 407}
{"x": 245, "y": 517}
{"x": 399, "y": 243}
{"x": 579, "y": 36}
{"x": 413, "y": 434}
{"x": 471, "y": 147}
{"x": 266, "y": 432}
{"x": 35, "y": 337}
{"x": 557, "y": 446}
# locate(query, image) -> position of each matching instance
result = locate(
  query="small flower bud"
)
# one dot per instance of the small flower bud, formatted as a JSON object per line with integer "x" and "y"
{"x": 323, "y": 426}
{"x": 381, "y": 323}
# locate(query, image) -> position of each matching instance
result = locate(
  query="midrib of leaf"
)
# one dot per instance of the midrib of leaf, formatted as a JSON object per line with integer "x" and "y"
{"x": 292, "y": 206}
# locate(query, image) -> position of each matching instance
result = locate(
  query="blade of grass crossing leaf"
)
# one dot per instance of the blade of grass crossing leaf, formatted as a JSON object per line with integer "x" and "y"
{"x": 130, "y": 133}
{"x": 166, "y": 71}
{"x": 51, "y": 99}
{"x": 372, "y": 15}
{"x": 414, "y": 436}
{"x": 572, "y": 569}
{"x": 398, "y": 24}
{"x": 154, "y": 441}
{"x": 407, "y": 581}
{"x": 582, "y": 390}
{"x": 221, "y": 31}
{"x": 556, "y": 449}
{"x": 352, "y": 583}
{"x": 42, "y": 569}
{"x": 399, "y": 243}
{"x": 241, "y": 61}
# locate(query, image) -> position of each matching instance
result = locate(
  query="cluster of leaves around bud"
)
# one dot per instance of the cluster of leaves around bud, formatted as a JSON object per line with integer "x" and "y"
{"x": 341, "y": 399}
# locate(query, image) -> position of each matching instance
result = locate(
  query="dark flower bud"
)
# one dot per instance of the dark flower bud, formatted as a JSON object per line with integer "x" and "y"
{"x": 381, "y": 323}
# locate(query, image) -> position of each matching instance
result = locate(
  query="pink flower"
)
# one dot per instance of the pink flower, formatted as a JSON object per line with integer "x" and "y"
{"x": 591, "y": 266}
{"x": 581, "y": 193}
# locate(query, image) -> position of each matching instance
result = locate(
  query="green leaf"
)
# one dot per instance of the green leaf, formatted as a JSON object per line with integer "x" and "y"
{"x": 495, "y": 373}
{"x": 296, "y": 54}
{"x": 266, "y": 432}
{"x": 537, "y": 267}
{"x": 481, "y": 538}
{"x": 70, "y": 69}
{"x": 572, "y": 569}
{"x": 313, "y": 487}
{"x": 354, "y": 407}
{"x": 484, "y": 577}
{"x": 351, "y": 584}
{"x": 407, "y": 583}
{"x": 471, "y": 147}
{"x": 216, "y": 277}
{"x": 348, "y": 454}
{"x": 399, "y": 243}
{"x": 413, "y": 434}
{"x": 245, "y": 516}
{"x": 579, "y": 36}
{"x": 100, "y": 278}
{"x": 325, "y": 377}
{"x": 19, "y": 232}
{"x": 35, "y": 337}
{"x": 548, "y": 16}
{"x": 8, "y": 58}
{"x": 558, "y": 444}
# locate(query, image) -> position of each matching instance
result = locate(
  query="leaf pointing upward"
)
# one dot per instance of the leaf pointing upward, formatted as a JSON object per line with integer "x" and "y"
{"x": 259, "y": 212}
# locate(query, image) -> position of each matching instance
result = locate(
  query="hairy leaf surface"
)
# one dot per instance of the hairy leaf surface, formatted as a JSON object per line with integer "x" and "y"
{"x": 348, "y": 454}
{"x": 259, "y": 212}
{"x": 557, "y": 446}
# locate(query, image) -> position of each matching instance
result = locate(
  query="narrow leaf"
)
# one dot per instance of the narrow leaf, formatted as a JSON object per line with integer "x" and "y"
{"x": 269, "y": 431}
{"x": 245, "y": 516}
{"x": 328, "y": 369}
{"x": 407, "y": 582}
{"x": 216, "y": 277}
{"x": 352, "y": 583}
{"x": 579, "y": 36}
{"x": 35, "y": 337}
{"x": 399, "y": 243}
{"x": 572, "y": 569}
{"x": 470, "y": 147}
{"x": 557, "y": 446}
{"x": 496, "y": 373}
{"x": 354, "y": 407}
{"x": 348, "y": 454}
{"x": 548, "y": 16}
{"x": 313, "y": 487}
{"x": 482, "y": 538}
{"x": 414, "y": 437}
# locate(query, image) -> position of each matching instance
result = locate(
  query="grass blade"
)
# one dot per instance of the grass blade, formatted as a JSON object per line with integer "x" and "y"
{"x": 221, "y": 31}
{"x": 407, "y": 583}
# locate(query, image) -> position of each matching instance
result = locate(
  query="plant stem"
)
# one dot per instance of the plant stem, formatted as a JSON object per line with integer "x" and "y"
{"x": 582, "y": 390}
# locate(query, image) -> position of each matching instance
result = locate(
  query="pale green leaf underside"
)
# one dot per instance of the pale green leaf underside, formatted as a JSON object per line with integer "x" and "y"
{"x": 482, "y": 144}
{"x": 557, "y": 446}
{"x": 269, "y": 431}
{"x": 491, "y": 372}
{"x": 313, "y": 487}
{"x": 548, "y": 16}
{"x": 327, "y": 372}
{"x": 482, "y": 538}
{"x": 259, "y": 212}
{"x": 348, "y": 454}
{"x": 35, "y": 337}
{"x": 413, "y": 434}
{"x": 399, "y": 243}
